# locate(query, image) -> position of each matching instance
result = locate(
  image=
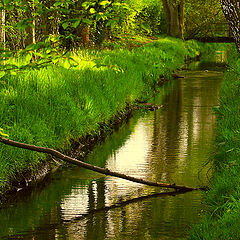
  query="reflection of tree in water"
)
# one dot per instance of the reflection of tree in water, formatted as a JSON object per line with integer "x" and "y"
{"x": 166, "y": 125}
{"x": 183, "y": 131}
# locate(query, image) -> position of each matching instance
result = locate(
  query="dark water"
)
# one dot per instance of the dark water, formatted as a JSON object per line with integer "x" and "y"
{"x": 167, "y": 145}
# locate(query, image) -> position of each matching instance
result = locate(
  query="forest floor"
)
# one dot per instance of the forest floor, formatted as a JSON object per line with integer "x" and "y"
{"x": 222, "y": 219}
{"x": 56, "y": 106}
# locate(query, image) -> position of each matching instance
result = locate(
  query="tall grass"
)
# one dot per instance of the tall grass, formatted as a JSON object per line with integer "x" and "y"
{"x": 222, "y": 221}
{"x": 51, "y": 106}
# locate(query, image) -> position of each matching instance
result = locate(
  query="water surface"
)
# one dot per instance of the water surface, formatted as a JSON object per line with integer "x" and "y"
{"x": 170, "y": 145}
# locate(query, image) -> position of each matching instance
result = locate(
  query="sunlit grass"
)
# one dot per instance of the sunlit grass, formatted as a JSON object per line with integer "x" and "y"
{"x": 51, "y": 106}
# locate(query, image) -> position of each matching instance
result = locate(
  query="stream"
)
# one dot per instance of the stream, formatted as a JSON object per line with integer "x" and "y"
{"x": 173, "y": 144}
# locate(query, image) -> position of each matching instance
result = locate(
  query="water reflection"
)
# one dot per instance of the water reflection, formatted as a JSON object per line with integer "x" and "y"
{"x": 168, "y": 145}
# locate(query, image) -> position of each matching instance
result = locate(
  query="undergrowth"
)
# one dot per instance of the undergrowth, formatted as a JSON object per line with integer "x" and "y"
{"x": 52, "y": 106}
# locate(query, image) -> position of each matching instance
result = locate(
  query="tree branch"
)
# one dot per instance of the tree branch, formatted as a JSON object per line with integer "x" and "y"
{"x": 104, "y": 171}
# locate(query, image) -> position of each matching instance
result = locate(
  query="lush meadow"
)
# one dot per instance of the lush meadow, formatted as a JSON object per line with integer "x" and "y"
{"x": 223, "y": 217}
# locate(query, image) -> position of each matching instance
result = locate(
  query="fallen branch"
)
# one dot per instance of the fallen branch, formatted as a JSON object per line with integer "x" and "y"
{"x": 104, "y": 171}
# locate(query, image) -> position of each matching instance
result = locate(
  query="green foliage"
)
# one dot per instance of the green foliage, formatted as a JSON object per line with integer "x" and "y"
{"x": 146, "y": 17}
{"x": 150, "y": 19}
{"x": 53, "y": 105}
{"x": 204, "y": 19}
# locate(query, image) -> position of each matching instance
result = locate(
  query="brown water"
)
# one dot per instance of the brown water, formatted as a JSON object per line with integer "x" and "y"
{"x": 171, "y": 145}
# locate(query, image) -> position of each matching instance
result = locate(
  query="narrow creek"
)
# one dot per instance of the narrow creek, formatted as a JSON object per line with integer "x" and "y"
{"x": 172, "y": 144}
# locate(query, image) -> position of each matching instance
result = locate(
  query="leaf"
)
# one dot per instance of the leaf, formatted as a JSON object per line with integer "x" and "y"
{"x": 65, "y": 25}
{"x": 56, "y": 4}
{"x": 76, "y": 23}
{"x": 104, "y": 3}
{"x": 85, "y": 5}
{"x": 92, "y": 10}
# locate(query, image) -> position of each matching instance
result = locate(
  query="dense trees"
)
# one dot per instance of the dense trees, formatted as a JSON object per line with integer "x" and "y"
{"x": 204, "y": 18}
{"x": 78, "y": 22}
{"x": 54, "y": 25}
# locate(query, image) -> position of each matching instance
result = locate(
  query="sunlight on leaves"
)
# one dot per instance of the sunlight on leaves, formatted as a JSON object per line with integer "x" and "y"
{"x": 2, "y": 133}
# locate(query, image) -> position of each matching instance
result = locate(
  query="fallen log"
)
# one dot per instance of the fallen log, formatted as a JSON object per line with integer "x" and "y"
{"x": 104, "y": 171}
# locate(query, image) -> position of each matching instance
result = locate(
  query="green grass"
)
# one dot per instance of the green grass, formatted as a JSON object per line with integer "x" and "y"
{"x": 52, "y": 106}
{"x": 222, "y": 221}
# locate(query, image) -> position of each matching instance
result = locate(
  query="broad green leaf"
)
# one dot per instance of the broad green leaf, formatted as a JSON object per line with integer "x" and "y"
{"x": 76, "y": 23}
{"x": 65, "y": 25}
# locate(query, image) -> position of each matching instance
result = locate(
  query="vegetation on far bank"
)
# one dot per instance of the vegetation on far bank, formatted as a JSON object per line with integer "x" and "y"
{"x": 223, "y": 199}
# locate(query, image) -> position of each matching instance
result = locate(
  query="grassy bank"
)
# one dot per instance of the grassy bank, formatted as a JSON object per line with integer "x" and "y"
{"x": 52, "y": 106}
{"x": 223, "y": 218}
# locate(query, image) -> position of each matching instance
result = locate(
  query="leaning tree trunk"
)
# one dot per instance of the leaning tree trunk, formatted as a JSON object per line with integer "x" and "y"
{"x": 174, "y": 11}
{"x": 231, "y": 11}
{"x": 104, "y": 171}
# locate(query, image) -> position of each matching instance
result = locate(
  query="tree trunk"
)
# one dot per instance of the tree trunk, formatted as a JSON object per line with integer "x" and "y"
{"x": 174, "y": 11}
{"x": 30, "y": 30}
{"x": 181, "y": 17}
{"x": 231, "y": 11}
{"x": 167, "y": 14}
{"x": 44, "y": 23}
{"x": 2, "y": 31}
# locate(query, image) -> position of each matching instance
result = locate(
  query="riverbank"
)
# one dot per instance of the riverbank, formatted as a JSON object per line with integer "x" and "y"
{"x": 222, "y": 218}
{"x": 54, "y": 107}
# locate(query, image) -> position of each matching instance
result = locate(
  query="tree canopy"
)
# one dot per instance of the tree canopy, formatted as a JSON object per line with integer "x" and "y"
{"x": 41, "y": 29}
